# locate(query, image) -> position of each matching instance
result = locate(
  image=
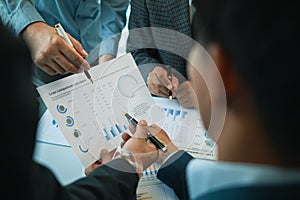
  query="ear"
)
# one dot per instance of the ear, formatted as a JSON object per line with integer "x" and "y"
{"x": 226, "y": 70}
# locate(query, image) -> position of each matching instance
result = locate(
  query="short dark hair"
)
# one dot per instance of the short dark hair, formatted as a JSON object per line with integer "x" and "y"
{"x": 261, "y": 37}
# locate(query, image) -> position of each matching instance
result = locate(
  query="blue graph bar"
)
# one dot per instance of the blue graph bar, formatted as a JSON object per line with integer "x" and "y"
{"x": 106, "y": 134}
{"x": 125, "y": 127}
{"x": 170, "y": 112}
{"x": 177, "y": 113}
{"x": 119, "y": 129}
{"x": 183, "y": 115}
{"x": 113, "y": 132}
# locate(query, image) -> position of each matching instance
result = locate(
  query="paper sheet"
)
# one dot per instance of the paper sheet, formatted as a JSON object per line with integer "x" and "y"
{"x": 91, "y": 116}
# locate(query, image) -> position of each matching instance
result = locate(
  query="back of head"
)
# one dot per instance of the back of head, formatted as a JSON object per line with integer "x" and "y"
{"x": 19, "y": 115}
{"x": 261, "y": 39}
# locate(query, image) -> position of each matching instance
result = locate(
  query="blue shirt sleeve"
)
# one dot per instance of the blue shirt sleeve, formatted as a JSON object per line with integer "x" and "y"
{"x": 17, "y": 15}
{"x": 113, "y": 17}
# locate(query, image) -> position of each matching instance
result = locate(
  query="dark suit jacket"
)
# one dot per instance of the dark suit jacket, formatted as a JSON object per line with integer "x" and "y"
{"x": 167, "y": 14}
{"x": 173, "y": 173}
{"x": 21, "y": 176}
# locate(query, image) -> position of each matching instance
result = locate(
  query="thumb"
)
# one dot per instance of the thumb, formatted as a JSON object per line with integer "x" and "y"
{"x": 141, "y": 130}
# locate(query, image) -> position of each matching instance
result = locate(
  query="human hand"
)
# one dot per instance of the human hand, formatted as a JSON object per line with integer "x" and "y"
{"x": 105, "y": 57}
{"x": 186, "y": 95}
{"x": 105, "y": 157}
{"x": 139, "y": 145}
{"x": 159, "y": 83}
{"x": 51, "y": 52}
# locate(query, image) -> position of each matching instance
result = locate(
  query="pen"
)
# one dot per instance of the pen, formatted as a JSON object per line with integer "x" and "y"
{"x": 60, "y": 30}
{"x": 170, "y": 75}
{"x": 158, "y": 143}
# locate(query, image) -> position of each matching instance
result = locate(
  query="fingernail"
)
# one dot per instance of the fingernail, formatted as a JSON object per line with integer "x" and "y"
{"x": 84, "y": 52}
{"x": 143, "y": 123}
{"x": 175, "y": 86}
{"x": 169, "y": 87}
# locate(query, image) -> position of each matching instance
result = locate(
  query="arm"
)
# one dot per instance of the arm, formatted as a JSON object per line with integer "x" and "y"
{"x": 49, "y": 51}
{"x": 146, "y": 59}
{"x": 173, "y": 170}
{"x": 113, "y": 16}
{"x": 176, "y": 164}
{"x": 115, "y": 180}
{"x": 17, "y": 15}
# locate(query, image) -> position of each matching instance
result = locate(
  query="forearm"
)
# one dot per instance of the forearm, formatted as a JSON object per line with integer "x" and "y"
{"x": 116, "y": 180}
{"x": 17, "y": 15}
{"x": 173, "y": 173}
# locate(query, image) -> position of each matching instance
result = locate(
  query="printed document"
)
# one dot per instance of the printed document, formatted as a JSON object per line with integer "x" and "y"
{"x": 91, "y": 117}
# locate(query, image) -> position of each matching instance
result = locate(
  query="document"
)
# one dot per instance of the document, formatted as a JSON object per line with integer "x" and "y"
{"x": 91, "y": 117}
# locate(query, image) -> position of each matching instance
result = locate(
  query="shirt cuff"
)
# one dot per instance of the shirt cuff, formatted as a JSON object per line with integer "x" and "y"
{"x": 109, "y": 46}
{"x": 169, "y": 157}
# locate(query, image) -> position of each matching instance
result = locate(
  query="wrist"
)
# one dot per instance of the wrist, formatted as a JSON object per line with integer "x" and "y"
{"x": 133, "y": 160}
{"x": 162, "y": 156}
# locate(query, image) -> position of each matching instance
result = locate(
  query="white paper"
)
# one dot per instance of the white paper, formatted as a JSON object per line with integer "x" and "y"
{"x": 91, "y": 116}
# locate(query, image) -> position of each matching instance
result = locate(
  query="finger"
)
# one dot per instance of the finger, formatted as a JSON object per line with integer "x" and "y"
{"x": 48, "y": 69}
{"x": 56, "y": 67}
{"x": 175, "y": 82}
{"x": 105, "y": 156}
{"x": 132, "y": 128}
{"x": 153, "y": 88}
{"x": 78, "y": 47}
{"x": 125, "y": 136}
{"x": 141, "y": 130}
{"x": 162, "y": 76}
{"x": 65, "y": 63}
{"x": 73, "y": 60}
{"x": 163, "y": 90}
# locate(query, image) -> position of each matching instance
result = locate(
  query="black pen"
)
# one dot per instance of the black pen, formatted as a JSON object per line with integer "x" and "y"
{"x": 158, "y": 143}
{"x": 170, "y": 75}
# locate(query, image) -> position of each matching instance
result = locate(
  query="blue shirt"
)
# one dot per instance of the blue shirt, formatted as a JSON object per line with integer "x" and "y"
{"x": 88, "y": 21}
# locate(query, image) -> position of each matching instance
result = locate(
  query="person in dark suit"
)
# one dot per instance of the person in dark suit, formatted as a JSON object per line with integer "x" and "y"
{"x": 255, "y": 46}
{"x": 148, "y": 45}
{"x": 22, "y": 177}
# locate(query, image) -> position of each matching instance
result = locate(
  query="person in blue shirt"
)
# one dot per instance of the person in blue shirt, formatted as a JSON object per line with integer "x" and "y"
{"x": 87, "y": 22}
{"x": 91, "y": 26}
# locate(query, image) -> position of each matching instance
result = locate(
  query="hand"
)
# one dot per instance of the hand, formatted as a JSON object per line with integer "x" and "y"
{"x": 159, "y": 84}
{"x": 186, "y": 95}
{"x": 142, "y": 145}
{"x": 144, "y": 151}
{"x": 51, "y": 52}
{"x": 105, "y": 157}
{"x": 105, "y": 57}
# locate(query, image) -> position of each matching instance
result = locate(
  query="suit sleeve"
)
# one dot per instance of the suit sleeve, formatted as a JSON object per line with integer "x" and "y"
{"x": 116, "y": 180}
{"x": 140, "y": 36}
{"x": 173, "y": 173}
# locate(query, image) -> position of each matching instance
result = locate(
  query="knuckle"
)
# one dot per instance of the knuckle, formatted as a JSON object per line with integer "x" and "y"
{"x": 56, "y": 40}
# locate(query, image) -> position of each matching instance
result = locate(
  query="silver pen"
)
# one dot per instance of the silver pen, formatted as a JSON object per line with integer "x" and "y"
{"x": 60, "y": 30}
